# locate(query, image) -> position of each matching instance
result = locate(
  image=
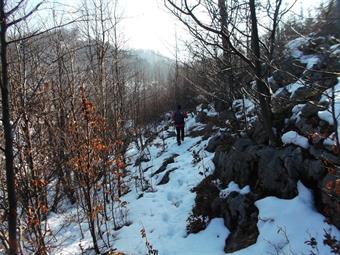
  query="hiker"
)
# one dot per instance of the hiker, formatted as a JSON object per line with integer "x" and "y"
{"x": 178, "y": 117}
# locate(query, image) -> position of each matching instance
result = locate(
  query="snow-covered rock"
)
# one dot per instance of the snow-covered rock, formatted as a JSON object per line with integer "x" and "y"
{"x": 328, "y": 115}
{"x": 293, "y": 46}
{"x": 291, "y": 137}
{"x": 232, "y": 186}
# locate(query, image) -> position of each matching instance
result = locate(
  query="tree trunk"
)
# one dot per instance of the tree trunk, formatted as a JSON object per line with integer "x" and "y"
{"x": 272, "y": 38}
{"x": 337, "y": 16}
{"x": 6, "y": 118}
{"x": 227, "y": 73}
{"x": 262, "y": 89}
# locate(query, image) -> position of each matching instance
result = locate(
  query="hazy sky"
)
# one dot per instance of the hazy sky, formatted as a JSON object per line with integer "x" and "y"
{"x": 149, "y": 25}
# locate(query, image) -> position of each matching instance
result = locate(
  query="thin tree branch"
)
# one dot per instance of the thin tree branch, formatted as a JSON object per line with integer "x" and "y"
{"x": 15, "y": 8}
{"x": 37, "y": 33}
{"x": 25, "y": 16}
{"x": 187, "y": 12}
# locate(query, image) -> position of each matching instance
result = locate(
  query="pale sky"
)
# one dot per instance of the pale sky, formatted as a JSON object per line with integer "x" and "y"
{"x": 148, "y": 25}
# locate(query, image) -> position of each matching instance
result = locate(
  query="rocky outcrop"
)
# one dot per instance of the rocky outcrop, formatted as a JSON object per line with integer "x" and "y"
{"x": 166, "y": 162}
{"x": 312, "y": 172}
{"x": 290, "y": 69}
{"x": 166, "y": 177}
{"x": 206, "y": 193}
{"x": 267, "y": 170}
{"x": 205, "y": 208}
{"x": 330, "y": 202}
{"x": 311, "y": 109}
{"x": 236, "y": 162}
{"x": 238, "y": 211}
{"x": 316, "y": 76}
{"x": 259, "y": 134}
{"x": 324, "y": 155}
{"x": 217, "y": 140}
{"x": 281, "y": 101}
{"x": 240, "y": 216}
{"x": 276, "y": 171}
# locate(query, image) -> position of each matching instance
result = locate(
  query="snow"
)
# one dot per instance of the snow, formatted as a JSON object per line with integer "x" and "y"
{"x": 278, "y": 91}
{"x": 329, "y": 141}
{"x": 232, "y": 186}
{"x": 163, "y": 210}
{"x": 293, "y": 49}
{"x": 295, "y": 138}
{"x": 294, "y": 86}
{"x": 327, "y": 98}
{"x": 244, "y": 106}
{"x": 296, "y": 112}
{"x": 271, "y": 80}
{"x": 211, "y": 112}
{"x": 294, "y": 45}
{"x": 295, "y": 218}
{"x": 68, "y": 232}
{"x": 248, "y": 105}
{"x": 291, "y": 88}
{"x": 335, "y": 50}
{"x": 272, "y": 83}
{"x": 199, "y": 107}
{"x": 253, "y": 85}
{"x": 310, "y": 60}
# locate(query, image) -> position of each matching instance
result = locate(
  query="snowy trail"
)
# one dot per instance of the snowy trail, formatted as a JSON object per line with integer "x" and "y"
{"x": 164, "y": 213}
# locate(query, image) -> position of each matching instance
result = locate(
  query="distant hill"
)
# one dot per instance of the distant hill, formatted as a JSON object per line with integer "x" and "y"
{"x": 154, "y": 65}
{"x": 151, "y": 56}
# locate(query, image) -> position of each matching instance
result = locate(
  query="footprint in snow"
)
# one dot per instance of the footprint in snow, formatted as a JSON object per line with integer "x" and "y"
{"x": 170, "y": 196}
{"x": 177, "y": 203}
{"x": 165, "y": 217}
{"x": 174, "y": 199}
{"x": 170, "y": 231}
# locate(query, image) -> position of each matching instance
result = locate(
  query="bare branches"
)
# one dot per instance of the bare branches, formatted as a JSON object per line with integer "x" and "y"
{"x": 37, "y": 33}
{"x": 25, "y": 16}
{"x": 186, "y": 10}
{"x": 224, "y": 33}
{"x": 15, "y": 8}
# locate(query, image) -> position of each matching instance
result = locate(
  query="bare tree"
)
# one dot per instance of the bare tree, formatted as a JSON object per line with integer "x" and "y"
{"x": 188, "y": 14}
{"x": 5, "y": 24}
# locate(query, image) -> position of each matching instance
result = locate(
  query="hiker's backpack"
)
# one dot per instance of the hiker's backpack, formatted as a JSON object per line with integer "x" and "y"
{"x": 179, "y": 118}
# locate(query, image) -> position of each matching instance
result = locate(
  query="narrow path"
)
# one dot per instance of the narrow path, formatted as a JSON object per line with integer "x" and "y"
{"x": 163, "y": 213}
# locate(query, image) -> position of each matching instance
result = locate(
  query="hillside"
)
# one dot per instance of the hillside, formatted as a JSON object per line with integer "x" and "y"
{"x": 161, "y": 207}
{"x": 92, "y": 153}
{"x": 221, "y": 191}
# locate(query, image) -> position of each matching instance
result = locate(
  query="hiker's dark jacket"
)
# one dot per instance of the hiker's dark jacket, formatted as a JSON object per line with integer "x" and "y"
{"x": 178, "y": 117}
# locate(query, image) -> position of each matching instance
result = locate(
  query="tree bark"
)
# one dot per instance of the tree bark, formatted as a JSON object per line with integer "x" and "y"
{"x": 262, "y": 89}
{"x": 272, "y": 38}
{"x": 337, "y": 16}
{"x": 6, "y": 120}
{"x": 227, "y": 72}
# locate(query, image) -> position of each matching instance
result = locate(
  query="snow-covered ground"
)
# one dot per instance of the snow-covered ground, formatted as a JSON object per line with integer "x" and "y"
{"x": 162, "y": 211}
